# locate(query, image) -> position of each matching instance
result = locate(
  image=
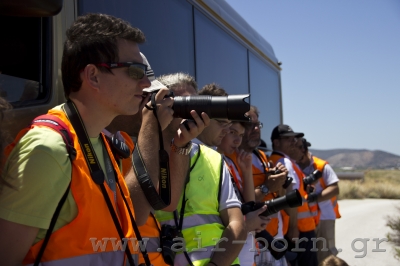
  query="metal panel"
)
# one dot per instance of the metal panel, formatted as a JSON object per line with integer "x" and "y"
{"x": 219, "y": 57}
{"x": 265, "y": 94}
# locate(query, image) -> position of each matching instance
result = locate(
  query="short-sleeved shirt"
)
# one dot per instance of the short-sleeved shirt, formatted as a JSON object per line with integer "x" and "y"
{"x": 330, "y": 177}
{"x": 39, "y": 171}
{"x": 288, "y": 163}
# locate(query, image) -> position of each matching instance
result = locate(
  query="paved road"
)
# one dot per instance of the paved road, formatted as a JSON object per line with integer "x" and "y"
{"x": 365, "y": 220}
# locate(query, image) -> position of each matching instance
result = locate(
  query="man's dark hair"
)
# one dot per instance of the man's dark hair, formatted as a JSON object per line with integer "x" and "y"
{"x": 213, "y": 89}
{"x": 92, "y": 39}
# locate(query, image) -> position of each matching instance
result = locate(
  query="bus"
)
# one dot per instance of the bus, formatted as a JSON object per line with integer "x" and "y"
{"x": 207, "y": 39}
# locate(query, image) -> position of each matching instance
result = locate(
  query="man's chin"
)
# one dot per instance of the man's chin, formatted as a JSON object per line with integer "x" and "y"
{"x": 254, "y": 144}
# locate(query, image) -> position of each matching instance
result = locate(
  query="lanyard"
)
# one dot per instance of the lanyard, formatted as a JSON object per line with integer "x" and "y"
{"x": 98, "y": 175}
{"x": 162, "y": 200}
{"x": 110, "y": 176}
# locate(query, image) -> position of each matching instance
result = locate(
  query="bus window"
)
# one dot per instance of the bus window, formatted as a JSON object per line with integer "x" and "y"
{"x": 22, "y": 60}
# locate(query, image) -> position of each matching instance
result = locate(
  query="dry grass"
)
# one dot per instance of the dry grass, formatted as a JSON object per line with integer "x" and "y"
{"x": 384, "y": 184}
{"x": 394, "y": 236}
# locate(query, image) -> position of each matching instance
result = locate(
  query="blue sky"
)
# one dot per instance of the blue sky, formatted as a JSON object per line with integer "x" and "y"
{"x": 340, "y": 68}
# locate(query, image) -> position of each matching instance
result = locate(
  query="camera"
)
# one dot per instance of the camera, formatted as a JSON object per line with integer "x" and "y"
{"x": 291, "y": 200}
{"x": 167, "y": 235}
{"x": 288, "y": 180}
{"x": 314, "y": 176}
{"x": 232, "y": 107}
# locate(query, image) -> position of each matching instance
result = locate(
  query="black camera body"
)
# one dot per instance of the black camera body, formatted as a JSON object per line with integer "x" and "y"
{"x": 314, "y": 176}
{"x": 291, "y": 200}
{"x": 167, "y": 235}
{"x": 288, "y": 180}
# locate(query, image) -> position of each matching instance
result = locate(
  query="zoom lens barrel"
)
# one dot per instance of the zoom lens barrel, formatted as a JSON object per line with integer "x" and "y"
{"x": 232, "y": 107}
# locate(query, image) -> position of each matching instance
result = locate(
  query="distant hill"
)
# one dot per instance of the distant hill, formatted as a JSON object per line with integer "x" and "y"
{"x": 359, "y": 159}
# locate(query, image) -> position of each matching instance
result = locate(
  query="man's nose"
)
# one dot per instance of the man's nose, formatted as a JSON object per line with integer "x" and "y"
{"x": 144, "y": 82}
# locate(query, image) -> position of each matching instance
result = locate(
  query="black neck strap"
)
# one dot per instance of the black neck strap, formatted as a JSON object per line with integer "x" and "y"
{"x": 96, "y": 171}
{"x": 160, "y": 200}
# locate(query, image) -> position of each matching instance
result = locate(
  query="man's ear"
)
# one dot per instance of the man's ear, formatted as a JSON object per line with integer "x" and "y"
{"x": 89, "y": 75}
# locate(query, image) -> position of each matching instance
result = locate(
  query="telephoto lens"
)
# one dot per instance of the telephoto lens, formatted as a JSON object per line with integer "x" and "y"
{"x": 314, "y": 176}
{"x": 232, "y": 107}
{"x": 291, "y": 200}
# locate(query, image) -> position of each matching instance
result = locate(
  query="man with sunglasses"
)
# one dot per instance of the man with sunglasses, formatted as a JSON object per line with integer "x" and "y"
{"x": 301, "y": 219}
{"x": 75, "y": 202}
{"x": 266, "y": 184}
{"x": 132, "y": 125}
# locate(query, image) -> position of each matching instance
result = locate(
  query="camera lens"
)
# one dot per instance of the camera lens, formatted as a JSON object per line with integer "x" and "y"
{"x": 232, "y": 107}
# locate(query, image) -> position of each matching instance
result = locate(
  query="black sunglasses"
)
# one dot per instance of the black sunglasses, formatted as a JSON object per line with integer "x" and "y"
{"x": 253, "y": 125}
{"x": 135, "y": 70}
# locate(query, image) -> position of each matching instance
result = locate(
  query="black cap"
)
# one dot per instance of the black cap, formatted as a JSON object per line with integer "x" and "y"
{"x": 263, "y": 146}
{"x": 306, "y": 144}
{"x": 284, "y": 131}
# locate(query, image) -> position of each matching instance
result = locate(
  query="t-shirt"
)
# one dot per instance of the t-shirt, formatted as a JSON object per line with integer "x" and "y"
{"x": 39, "y": 171}
{"x": 330, "y": 177}
{"x": 285, "y": 160}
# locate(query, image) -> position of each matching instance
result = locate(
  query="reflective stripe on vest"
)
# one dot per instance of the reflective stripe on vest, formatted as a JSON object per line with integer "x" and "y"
{"x": 71, "y": 244}
{"x": 305, "y": 219}
{"x": 103, "y": 258}
{"x": 320, "y": 164}
{"x": 196, "y": 220}
{"x": 202, "y": 226}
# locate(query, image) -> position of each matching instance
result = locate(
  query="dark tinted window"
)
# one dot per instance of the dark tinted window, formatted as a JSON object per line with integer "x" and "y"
{"x": 265, "y": 94}
{"x": 168, "y": 26}
{"x": 22, "y": 42}
{"x": 219, "y": 57}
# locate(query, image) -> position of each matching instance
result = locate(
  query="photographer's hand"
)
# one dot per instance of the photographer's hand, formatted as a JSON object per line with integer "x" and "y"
{"x": 164, "y": 108}
{"x": 183, "y": 135}
{"x": 274, "y": 182}
{"x": 244, "y": 161}
{"x": 255, "y": 222}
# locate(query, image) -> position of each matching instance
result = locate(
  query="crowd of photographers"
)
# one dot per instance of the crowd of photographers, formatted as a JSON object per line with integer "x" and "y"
{"x": 138, "y": 170}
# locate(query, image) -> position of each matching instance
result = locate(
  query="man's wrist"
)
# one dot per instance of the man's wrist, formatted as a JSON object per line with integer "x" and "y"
{"x": 185, "y": 150}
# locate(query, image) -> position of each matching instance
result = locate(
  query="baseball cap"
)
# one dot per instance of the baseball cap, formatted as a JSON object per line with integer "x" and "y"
{"x": 306, "y": 143}
{"x": 263, "y": 146}
{"x": 155, "y": 84}
{"x": 284, "y": 131}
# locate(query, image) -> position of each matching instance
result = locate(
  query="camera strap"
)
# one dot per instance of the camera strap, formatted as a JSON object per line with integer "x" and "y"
{"x": 179, "y": 224}
{"x": 235, "y": 182}
{"x": 157, "y": 200}
{"x": 97, "y": 173}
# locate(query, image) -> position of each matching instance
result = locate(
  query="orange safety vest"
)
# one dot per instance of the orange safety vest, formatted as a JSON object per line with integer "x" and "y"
{"x": 150, "y": 229}
{"x": 320, "y": 164}
{"x": 259, "y": 179}
{"x": 305, "y": 219}
{"x": 91, "y": 237}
